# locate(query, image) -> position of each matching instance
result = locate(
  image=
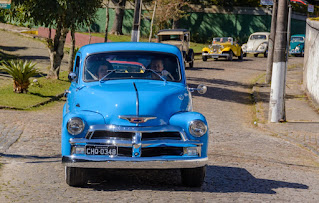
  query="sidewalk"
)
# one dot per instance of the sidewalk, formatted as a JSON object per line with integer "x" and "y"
{"x": 302, "y": 126}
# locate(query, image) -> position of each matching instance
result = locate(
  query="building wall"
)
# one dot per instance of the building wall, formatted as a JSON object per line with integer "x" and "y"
{"x": 311, "y": 60}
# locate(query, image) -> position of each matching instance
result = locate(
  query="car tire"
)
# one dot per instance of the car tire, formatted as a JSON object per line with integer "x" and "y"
{"x": 241, "y": 56}
{"x": 230, "y": 56}
{"x": 191, "y": 63}
{"x": 75, "y": 177}
{"x": 193, "y": 177}
{"x": 255, "y": 55}
{"x": 244, "y": 55}
{"x": 204, "y": 58}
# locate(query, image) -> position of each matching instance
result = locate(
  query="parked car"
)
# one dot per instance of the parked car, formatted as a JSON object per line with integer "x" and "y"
{"x": 257, "y": 44}
{"x": 297, "y": 45}
{"x": 181, "y": 39}
{"x": 132, "y": 117}
{"x": 222, "y": 47}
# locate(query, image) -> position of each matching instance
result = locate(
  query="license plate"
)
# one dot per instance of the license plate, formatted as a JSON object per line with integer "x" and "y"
{"x": 101, "y": 150}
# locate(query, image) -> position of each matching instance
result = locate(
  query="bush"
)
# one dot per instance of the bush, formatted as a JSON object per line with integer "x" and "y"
{"x": 21, "y": 72}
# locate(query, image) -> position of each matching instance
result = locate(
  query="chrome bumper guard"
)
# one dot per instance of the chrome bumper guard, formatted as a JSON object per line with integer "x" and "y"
{"x": 132, "y": 162}
{"x": 216, "y": 55}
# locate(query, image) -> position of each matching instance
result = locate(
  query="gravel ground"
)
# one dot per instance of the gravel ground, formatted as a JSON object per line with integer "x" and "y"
{"x": 246, "y": 164}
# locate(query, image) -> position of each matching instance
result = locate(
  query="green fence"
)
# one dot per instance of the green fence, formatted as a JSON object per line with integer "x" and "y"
{"x": 204, "y": 26}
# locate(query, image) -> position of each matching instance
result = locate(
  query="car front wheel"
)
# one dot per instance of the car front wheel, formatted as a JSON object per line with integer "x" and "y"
{"x": 193, "y": 177}
{"x": 204, "y": 58}
{"x": 75, "y": 176}
{"x": 230, "y": 56}
{"x": 241, "y": 56}
{"x": 255, "y": 55}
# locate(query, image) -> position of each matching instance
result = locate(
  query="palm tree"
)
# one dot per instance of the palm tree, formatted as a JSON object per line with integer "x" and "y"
{"x": 21, "y": 72}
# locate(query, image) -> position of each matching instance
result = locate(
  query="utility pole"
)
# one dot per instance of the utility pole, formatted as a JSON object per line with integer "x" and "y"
{"x": 278, "y": 80}
{"x": 271, "y": 41}
{"x": 136, "y": 21}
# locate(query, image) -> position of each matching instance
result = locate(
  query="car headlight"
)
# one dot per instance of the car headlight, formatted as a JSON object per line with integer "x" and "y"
{"x": 263, "y": 46}
{"x": 197, "y": 128}
{"x": 75, "y": 126}
{"x": 297, "y": 48}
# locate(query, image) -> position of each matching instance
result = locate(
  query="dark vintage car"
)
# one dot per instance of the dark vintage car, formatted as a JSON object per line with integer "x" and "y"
{"x": 133, "y": 116}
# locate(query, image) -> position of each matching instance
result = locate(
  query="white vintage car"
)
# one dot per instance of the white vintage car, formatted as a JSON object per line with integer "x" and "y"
{"x": 257, "y": 44}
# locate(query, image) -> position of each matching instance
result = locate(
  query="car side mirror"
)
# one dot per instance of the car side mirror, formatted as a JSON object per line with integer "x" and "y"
{"x": 72, "y": 76}
{"x": 201, "y": 89}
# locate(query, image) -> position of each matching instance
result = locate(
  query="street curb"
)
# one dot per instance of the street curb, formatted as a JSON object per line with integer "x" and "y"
{"x": 264, "y": 127}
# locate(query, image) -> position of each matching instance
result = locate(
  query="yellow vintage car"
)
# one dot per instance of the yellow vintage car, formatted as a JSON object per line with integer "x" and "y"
{"x": 222, "y": 47}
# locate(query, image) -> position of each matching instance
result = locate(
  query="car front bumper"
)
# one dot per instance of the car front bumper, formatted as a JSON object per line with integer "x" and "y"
{"x": 254, "y": 52}
{"x": 132, "y": 162}
{"x": 213, "y": 55}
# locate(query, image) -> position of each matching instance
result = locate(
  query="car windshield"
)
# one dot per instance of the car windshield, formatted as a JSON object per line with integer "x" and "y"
{"x": 131, "y": 65}
{"x": 171, "y": 37}
{"x": 222, "y": 40}
{"x": 257, "y": 37}
{"x": 297, "y": 39}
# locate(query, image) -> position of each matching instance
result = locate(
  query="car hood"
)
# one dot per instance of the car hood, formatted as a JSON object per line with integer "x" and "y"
{"x": 295, "y": 44}
{"x": 155, "y": 99}
{"x": 253, "y": 45}
{"x": 179, "y": 44}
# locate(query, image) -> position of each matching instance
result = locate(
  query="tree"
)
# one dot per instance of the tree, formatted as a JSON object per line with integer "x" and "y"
{"x": 119, "y": 14}
{"x": 169, "y": 12}
{"x": 64, "y": 15}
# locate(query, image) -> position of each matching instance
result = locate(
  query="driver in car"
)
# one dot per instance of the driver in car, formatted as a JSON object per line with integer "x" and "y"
{"x": 157, "y": 65}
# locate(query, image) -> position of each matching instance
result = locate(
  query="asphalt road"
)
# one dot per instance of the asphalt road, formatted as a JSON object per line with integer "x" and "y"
{"x": 246, "y": 164}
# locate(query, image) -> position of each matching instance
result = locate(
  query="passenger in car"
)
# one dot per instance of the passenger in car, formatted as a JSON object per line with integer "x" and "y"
{"x": 158, "y": 66}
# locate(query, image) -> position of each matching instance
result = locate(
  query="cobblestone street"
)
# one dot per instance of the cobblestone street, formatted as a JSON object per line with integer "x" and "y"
{"x": 246, "y": 163}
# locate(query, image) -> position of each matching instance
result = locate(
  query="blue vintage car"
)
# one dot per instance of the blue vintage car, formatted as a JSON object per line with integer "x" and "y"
{"x": 125, "y": 110}
{"x": 297, "y": 45}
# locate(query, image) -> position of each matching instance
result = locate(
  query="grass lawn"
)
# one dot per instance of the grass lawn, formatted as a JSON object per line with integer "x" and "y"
{"x": 48, "y": 89}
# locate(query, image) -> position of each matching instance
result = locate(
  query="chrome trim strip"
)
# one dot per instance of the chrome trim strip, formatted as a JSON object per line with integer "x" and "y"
{"x": 125, "y": 143}
{"x": 144, "y": 119}
{"x": 215, "y": 55}
{"x": 137, "y": 100}
{"x": 141, "y": 129}
{"x": 133, "y": 162}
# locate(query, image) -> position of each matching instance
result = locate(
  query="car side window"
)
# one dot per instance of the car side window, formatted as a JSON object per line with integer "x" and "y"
{"x": 77, "y": 66}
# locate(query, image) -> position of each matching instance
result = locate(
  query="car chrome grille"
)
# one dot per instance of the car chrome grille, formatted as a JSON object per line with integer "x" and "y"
{"x": 162, "y": 151}
{"x": 161, "y": 135}
{"x": 102, "y": 134}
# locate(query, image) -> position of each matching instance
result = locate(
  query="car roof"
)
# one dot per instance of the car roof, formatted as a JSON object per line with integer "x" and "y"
{"x": 128, "y": 46}
{"x": 261, "y": 33}
{"x": 172, "y": 31}
{"x": 298, "y": 35}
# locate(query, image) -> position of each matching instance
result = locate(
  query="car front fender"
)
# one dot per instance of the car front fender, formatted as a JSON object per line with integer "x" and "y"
{"x": 184, "y": 119}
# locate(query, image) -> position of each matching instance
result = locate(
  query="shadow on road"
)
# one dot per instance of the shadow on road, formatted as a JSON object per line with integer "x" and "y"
{"x": 14, "y": 48}
{"x": 219, "y": 179}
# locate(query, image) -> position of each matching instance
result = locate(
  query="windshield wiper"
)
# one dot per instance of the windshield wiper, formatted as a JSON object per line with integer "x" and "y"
{"x": 156, "y": 74}
{"x": 105, "y": 76}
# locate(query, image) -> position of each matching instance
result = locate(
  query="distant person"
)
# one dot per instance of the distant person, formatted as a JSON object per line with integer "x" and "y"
{"x": 221, "y": 40}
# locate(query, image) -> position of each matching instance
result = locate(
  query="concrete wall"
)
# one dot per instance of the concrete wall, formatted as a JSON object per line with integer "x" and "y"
{"x": 311, "y": 60}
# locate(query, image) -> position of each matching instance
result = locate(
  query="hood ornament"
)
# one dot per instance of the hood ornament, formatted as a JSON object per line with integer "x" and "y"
{"x": 137, "y": 119}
